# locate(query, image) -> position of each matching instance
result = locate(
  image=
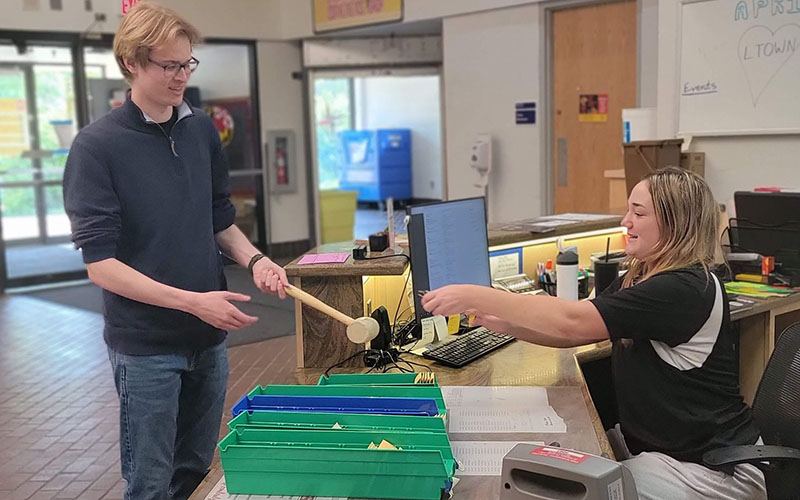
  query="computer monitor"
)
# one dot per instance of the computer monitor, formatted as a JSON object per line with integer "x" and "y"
{"x": 768, "y": 224}
{"x": 448, "y": 242}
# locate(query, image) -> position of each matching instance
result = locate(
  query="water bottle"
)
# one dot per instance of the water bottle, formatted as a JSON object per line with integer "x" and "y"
{"x": 567, "y": 272}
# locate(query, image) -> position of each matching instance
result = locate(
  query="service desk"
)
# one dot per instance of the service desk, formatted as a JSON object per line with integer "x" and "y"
{"x": 321, "y": 340}
{"x": 517, "y": 364}
{"x": 759, "y": 327}
{"x": 358, "y": 287}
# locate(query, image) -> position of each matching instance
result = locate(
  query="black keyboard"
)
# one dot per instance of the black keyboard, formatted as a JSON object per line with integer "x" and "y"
{"x": 468, "y": 347}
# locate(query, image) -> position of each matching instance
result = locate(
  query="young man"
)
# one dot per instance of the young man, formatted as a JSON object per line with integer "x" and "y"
{"x": 146, "y": 190}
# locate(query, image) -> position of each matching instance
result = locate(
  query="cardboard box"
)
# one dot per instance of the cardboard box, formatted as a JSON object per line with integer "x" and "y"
{"x": 642, "y": 157}
{"x": 694, "y": 162}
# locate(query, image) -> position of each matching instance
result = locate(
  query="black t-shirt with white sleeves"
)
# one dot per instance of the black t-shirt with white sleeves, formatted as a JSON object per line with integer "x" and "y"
{"x": 674, "y": 365}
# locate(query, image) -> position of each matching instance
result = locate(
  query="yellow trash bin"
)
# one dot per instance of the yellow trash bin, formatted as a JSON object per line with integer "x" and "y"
{"x": 337, "y": 215}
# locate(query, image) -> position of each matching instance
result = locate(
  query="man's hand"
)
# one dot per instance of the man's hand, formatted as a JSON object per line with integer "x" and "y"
{"x": 269, "y": 277}
{"x": 448, "y": 300}
{"x": 215, "y": 308}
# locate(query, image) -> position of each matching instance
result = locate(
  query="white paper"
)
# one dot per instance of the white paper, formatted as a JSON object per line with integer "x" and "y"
{"x": 501, "y": 397}
{"x": 500, "y": 410}
{"x": 550, "y": 223}
{"x": 482, "y": 458}
{"x": 578, "y": 217}
{"x": 428, "y": 331}
{"x": 504, "y": 265}
{"x": 219, "y": 492}
{"x": 440, "y": 327}
{"x": 542, "y": 420}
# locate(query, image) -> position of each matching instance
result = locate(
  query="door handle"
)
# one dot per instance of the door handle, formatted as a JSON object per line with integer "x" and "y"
{"x": 562, "y": 161}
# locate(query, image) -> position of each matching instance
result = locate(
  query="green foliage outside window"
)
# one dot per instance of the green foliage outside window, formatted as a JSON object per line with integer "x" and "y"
{"x": 54, "y": 100}
{"x": 332, "y": 108}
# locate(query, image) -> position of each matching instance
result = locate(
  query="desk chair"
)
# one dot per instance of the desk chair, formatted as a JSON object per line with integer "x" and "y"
{"x": 776, "y": 411}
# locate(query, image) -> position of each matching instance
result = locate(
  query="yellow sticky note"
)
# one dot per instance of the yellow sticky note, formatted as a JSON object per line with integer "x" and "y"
{"x": 453, "y": 323}
{"x": 386, "y": 445}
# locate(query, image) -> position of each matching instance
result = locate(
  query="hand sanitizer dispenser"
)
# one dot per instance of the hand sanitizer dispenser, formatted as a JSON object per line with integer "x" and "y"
{"x": 480, "y": 158}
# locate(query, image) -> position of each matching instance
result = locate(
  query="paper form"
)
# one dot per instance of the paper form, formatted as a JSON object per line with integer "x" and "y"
{"x": 578, "y": 217}
{"x": 501, "y": 410}
{"x": 548, "y": 223}
{"x": 219, "y": 492}
{"x": 469, "y": 397}
{"x": 507, "y": 264}
{"x": 324, "y": 258}
{"x": 482, "y": 458}
{"x": 487, "y": 420}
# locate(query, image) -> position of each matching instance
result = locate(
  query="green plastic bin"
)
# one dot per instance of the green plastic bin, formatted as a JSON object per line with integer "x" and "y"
{"x": 336, "y": 463}
{"x": 373, "y": 391}
{"x": 373, "y": 379}
{"x": 326, "y": 421}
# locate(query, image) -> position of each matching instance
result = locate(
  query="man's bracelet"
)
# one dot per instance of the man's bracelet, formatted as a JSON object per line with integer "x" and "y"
{"x": 253, "y": 261}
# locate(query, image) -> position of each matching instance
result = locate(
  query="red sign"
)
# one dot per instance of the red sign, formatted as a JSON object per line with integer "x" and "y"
{"x": 127, "y": 4}
{"x": 570, "y": 456}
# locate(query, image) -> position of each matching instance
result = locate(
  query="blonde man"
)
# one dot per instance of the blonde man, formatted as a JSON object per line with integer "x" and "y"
{"x": 675, "y": 370}
{"x": 146, "y": 190}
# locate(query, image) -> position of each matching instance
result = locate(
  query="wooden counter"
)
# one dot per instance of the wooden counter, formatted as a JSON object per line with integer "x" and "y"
{"x": 380, "y": 267}
{"x": 498, "y": 236}
{"x": 321, "y": 341}
{"x": 759, "y": 327}
{"x": 517, "y": 364}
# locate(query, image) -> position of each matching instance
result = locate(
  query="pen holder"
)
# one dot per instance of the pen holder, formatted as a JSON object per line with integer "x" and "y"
{"x": 549, "y": 288}
{"x": 378, "y": 242}
{"x": 583, "y": 287}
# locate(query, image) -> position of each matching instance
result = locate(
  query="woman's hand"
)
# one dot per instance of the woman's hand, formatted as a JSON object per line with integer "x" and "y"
{"x": 450, "y": 299}
{"x": 491, "y": 322}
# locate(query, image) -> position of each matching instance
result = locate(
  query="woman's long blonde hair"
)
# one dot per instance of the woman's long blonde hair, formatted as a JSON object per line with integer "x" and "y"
{"x": 688, "y": 224}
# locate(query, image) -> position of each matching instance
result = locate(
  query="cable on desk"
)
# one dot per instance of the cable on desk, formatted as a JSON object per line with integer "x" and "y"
{"x": 340, "y": 363}
{"x": 388, "y": 257}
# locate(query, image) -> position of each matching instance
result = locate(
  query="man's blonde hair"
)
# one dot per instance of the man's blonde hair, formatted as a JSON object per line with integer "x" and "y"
{"x": 146, "y": 27}
{"x": 688, "y": 223}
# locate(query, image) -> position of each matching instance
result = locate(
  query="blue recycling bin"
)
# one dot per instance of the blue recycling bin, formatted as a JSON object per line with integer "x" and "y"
{"x": 377, "y": 163}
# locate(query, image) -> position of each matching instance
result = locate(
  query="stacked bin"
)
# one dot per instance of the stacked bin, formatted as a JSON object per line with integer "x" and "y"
{"x": 314, "y": 440}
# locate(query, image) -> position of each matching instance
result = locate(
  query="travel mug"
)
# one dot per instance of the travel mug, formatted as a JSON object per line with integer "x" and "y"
{"x": 605, "y": 272}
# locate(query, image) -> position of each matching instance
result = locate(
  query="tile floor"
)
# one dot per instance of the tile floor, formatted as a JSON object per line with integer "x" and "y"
{"x": 58, "y": 407}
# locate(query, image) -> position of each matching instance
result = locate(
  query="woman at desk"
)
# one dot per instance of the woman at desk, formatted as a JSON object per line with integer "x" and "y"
{"x": 674, "y": 367}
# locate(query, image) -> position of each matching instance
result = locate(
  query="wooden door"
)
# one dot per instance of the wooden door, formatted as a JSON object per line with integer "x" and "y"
{"x": 594, "y": 77}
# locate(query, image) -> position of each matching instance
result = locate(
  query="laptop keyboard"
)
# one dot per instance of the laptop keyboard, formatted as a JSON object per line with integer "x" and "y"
{"x": 468, "y": 347}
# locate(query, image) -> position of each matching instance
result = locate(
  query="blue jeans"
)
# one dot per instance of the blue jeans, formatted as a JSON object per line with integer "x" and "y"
{"x": 169, "y": 417}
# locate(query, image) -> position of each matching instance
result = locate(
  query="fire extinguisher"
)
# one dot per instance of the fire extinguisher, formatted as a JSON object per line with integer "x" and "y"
{"x": 280, "y": 167}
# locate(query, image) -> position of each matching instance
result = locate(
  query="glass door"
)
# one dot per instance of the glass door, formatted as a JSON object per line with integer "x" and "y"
{"x": 37, "y": 125}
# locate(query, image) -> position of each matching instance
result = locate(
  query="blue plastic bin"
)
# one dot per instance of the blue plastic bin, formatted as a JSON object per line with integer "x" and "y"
{"x": 377, "y": 163}
{"x": 332, "y": 404}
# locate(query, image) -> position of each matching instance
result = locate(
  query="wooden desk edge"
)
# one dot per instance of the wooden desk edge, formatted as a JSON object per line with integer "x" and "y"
{"x": 601, "y": 350}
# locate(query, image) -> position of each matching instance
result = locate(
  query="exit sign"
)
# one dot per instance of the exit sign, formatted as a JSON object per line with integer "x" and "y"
{"x": 127, "y": 4}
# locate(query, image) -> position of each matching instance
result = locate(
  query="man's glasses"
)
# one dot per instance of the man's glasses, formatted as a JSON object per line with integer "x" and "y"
{"x": 171, "y": 69}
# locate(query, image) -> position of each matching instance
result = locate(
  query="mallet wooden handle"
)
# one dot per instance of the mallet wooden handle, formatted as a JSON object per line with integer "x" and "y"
{"x": 317, "y": 304}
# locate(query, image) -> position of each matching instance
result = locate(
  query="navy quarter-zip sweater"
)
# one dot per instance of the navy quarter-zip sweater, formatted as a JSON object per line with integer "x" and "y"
{"x": 153, "y": 201}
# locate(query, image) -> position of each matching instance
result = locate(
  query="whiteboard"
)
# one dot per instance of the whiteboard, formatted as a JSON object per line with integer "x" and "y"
{"x": 739, "y": 67}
